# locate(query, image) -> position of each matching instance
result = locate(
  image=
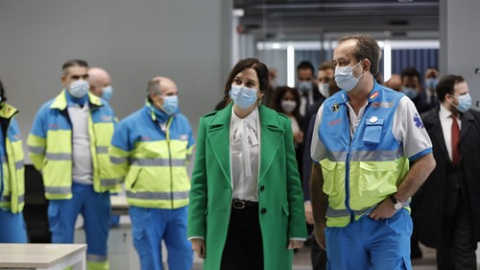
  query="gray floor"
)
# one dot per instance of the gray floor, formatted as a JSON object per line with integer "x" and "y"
{"x": 301, "y": 260}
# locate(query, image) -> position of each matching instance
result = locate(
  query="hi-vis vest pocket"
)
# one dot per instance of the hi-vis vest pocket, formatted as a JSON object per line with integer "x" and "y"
{"x": 377, "y": 179}
{"x": 373, "y": 130}
{"x": 328, "y": 172}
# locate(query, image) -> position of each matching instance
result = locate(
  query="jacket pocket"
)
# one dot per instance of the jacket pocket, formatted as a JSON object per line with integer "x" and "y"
{"x": 132, "y": 177}
{"x": 329, "y": 181}
{"x": 373, "y": 130}
{"x": 377, "y": 179}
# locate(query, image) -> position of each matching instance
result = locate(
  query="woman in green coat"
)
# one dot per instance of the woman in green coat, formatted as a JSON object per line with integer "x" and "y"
{"x": 246, "y": 202}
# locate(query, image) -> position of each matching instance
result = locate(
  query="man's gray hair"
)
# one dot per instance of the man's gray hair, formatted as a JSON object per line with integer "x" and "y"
{"x": 154, "y": 87}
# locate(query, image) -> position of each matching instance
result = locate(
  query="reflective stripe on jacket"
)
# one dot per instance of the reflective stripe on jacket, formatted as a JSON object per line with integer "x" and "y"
{"x": 13, "y": 195}
{"x": 153, "y": 159}
{"x": 50, "y": 146}
{"x": 362, "y": 171}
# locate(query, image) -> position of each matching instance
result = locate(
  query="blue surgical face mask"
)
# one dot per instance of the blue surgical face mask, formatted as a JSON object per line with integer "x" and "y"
{"x": 464, "y": 103}
{"x": 431, "y": 83}
{"x": 170, "y": 104}
{"x": 410, "y": 92}
{"x": 107, "y": 93}
{"x": 79, "y": 88}
{"x": 323, "y": 88}
{"x": 345, "y": 79}
{"x": 242, "y": 96}
{"x": 305, "y": 86}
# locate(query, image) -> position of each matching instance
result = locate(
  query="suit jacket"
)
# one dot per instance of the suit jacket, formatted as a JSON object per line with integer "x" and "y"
{"x": 437, "y": 197}
{"x": 281, "y": 209}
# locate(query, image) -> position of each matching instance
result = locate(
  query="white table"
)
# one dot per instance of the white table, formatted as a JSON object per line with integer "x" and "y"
{"x": 43, "y": 256}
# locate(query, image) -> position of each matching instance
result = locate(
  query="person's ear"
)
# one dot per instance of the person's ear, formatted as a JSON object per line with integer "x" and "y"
{"x": 366, "y": 65}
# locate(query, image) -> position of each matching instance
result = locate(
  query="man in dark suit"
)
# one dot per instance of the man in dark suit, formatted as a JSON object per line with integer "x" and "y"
{"x": 412, "y": 88}
{"x": 448, "y": 203}
{"x": 306, "y": 86}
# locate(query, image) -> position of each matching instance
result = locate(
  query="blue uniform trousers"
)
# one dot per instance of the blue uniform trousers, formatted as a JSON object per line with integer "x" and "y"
{"x": 150, "y": 226}
{"x": 12, "y": 227}
{"x": 95, "y": 209}
{"x": 371, "y": 244}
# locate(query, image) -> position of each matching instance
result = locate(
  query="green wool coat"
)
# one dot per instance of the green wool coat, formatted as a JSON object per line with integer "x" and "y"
{"x": 279, "y": 188}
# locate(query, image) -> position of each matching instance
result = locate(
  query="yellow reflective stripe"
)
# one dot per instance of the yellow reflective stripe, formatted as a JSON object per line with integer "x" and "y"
{"x": 118, "y": 160}
{"x": 102, "y": 149}
{"x": 59, "y": 156}
{"x": 19, "y": 165}
{"x": 341, "y": 156}
{"x": 109, "y": 182}
{"x": 58, "y": 190}
{"x": 377, "y": 155}
{"x": 96, "y": 258}
{"x": 8, "y": 199}
{"x": 157, "y": 162}
{"x": 39, "y": 150}
{"x": 345, "y": 213}
{"x": 177, "y": 195}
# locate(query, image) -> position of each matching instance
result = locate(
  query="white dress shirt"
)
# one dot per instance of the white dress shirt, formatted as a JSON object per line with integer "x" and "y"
{"x": 446, "y": 122}
{"x": 244, "y": 155}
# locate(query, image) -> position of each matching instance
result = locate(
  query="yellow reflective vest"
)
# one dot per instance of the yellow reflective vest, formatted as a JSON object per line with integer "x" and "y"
{"x": 13, "y": 183}
{"x": 151, "y": 155}
{"x": 50, "y": 146}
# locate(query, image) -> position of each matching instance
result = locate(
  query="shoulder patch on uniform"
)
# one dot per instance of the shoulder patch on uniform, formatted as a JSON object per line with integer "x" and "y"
{"x": 418, "y": 121}
{"x": 335, "y": 107}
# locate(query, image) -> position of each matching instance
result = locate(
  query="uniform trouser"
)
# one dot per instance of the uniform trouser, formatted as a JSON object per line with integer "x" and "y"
{"x": 457, "y": 243}
{"x": 371, "y": 244}
{"x": 12, "y": 227}
{"x": 150, "y": 226}
{"x": 95, "y": 209}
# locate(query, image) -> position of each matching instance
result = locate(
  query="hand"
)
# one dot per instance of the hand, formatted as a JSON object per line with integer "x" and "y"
{"x": 319, "y": 231}
{"x": 298, "y": 137}
{"x": 198, "y": 245}
{"x": 293, "y": 244}
{"x": 383, "y": 211}
{"x": 308, "y": 212}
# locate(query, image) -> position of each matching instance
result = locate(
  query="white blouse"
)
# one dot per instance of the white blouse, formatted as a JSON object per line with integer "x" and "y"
{"x": 244, "y": 155}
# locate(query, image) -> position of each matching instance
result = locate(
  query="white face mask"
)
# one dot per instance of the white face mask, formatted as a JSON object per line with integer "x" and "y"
{"x": 345, "y": 79}
{"x": 288, "y": 105}
{"x": 323, "y": 88}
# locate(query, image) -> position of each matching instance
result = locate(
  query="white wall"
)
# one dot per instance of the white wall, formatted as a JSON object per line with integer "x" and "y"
{"x": 460, "y": 42}
{"x": 188, "y": 41}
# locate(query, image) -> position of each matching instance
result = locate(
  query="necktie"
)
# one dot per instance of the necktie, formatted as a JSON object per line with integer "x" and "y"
{"x": 455, "y": 141}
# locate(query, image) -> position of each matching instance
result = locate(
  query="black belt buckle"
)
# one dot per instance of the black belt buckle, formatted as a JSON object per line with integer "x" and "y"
{"x": 238, "y": 204}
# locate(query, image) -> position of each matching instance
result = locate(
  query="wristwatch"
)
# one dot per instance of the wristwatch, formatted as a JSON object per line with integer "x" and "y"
{"x": 396, "y": 203}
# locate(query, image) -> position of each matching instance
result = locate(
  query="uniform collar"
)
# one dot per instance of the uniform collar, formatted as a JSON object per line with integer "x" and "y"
{"x": 60, "y": 101}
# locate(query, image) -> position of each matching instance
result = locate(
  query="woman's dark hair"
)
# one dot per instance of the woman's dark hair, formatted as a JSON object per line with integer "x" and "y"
{"x": 280, "y": 92}
{"x": 2, "y": 92}
{"x": 259, "y": 67}
{"x": 446, "y": 85}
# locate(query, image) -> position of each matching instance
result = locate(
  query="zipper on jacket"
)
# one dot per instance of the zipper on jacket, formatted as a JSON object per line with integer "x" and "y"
{"x": 347, "y": 170}
{"x": 170, "y": 159}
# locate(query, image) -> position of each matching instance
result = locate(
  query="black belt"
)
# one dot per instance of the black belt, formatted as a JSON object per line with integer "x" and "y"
{"x": 241, "y": 204}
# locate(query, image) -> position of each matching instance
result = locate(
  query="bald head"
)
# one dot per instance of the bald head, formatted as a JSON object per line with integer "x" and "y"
{"x": 161, "y": 86}
{"x": 98, "y": 79}
{"x": 395, "y": 82}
